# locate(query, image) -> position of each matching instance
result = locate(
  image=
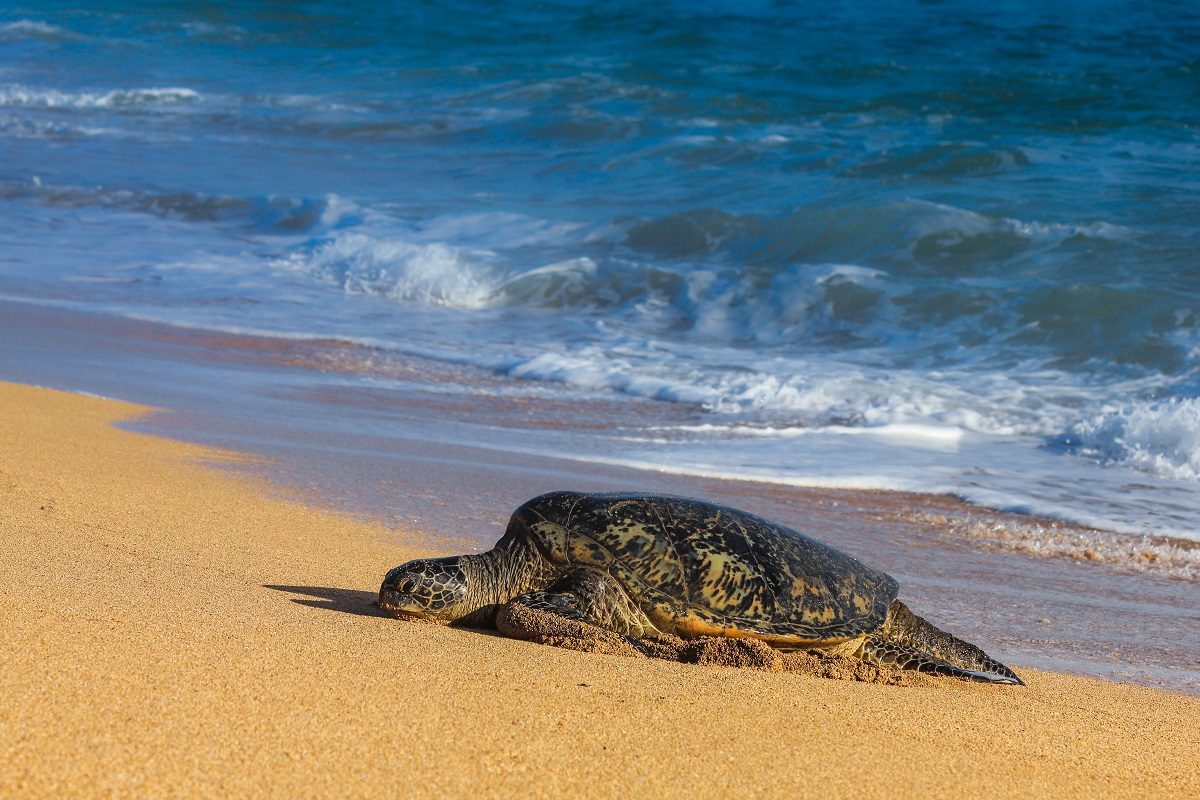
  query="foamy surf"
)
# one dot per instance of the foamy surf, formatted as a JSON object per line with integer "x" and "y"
{"x": 828, "y": 268}
{"x": 1173, "y": 557}
{"x": 1160, "y": 438}
{"x": 18, "y": 96}
{"x": 34, "y": 29}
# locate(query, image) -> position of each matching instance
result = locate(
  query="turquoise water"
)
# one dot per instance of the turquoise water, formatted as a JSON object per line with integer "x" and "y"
{"x": 931, "y": 246}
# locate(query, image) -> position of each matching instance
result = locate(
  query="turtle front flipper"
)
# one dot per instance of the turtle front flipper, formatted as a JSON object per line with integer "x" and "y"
{"x": 586, "y": 609}
{"x": 891, "y": 653}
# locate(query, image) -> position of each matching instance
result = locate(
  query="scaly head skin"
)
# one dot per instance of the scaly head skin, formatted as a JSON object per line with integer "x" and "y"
{"x": 431, "y": 588}
{"x": 464, "y": 589}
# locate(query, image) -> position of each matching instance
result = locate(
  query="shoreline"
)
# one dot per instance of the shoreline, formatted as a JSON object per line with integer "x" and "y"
{"x": 197, "y": 636}
{"x": 411, "y": 457}
{"x": 337, "y": 375}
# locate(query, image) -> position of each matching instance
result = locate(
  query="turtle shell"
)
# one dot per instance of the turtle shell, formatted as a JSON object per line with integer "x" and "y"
{"x": 697, "y": 568}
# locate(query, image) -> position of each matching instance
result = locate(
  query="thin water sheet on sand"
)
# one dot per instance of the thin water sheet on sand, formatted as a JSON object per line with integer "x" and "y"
{"x": 444, "y": 460}
{"x": 169, "y": 630}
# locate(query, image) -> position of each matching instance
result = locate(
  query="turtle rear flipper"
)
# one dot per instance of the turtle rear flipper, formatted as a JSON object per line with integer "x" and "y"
{"x": 890, "y": 653}
{"x": 905, "y": 629}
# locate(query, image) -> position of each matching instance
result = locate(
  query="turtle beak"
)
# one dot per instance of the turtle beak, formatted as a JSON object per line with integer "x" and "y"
{"x": 401, "y": 606}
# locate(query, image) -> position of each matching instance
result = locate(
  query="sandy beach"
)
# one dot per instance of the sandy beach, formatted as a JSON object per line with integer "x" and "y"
{"x": 172, "y": 630}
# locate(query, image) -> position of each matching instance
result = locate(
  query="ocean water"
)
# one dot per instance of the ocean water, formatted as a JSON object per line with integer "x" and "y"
{"x": 935, "y": 247}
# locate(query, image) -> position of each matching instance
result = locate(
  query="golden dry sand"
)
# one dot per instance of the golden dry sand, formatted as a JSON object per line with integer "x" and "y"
{"x": 143, "y": 653}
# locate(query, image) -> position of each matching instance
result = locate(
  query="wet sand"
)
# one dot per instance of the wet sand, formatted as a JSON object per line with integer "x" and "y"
{"x": 442, "y": 462}
{"x": 170, "y": 630}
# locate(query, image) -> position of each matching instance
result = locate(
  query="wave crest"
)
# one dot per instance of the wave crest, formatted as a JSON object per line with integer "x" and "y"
{"x": 18, "y": 96}
{"x": 1159, "y": 438}
{"x": 32, "y": 29}
{"x": 431, "y": 274}
{"x": 268, "y": 213}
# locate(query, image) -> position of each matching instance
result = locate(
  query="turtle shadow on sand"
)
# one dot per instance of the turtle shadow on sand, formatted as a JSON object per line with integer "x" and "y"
{"x": 347, "y": 601}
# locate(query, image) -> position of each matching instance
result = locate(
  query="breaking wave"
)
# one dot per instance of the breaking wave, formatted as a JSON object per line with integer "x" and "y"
{"x": 797, "y": 282}
{"x": 785, "y": 234}
{"x": 1161, "y": 438}
{"x": 429, "y": 274}
{"x": 17, "y": 96}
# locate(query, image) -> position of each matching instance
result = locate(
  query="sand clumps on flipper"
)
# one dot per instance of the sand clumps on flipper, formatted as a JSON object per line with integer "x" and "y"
{"x": 756, "y": 654}
{"x": 848, "y": 668}
{"x": 534, "y": 625}
{"x": 715, "y": 651}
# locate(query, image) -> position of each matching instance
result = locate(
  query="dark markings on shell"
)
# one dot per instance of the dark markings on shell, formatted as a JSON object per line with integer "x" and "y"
{"x": 687, "y": 559}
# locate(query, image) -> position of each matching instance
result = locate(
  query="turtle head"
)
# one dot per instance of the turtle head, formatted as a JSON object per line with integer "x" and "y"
{"x": 436, "y": 589}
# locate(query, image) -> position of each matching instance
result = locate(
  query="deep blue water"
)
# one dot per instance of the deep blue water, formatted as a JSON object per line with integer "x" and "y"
{"x": 930, "y": 246}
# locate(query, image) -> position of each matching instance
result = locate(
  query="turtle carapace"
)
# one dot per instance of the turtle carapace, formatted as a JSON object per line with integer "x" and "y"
{"x": 643, "y": 565}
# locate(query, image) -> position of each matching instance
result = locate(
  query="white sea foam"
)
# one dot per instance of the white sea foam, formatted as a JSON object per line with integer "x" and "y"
{"x": 801, "y": 395}
{"x": 431, "y": 274}
{"x": 718, "y": 308}
{"x": 16, "y": 95}
{"x": 739, "y": 244}
{"x": 946, "y": 220}
{"x": 582, "y": 372}
{"x": 33, "y": 29}
{"x": 1050, "y": 539}
{"x": 934, "y": 436}
{"x": 1160, "y": 438}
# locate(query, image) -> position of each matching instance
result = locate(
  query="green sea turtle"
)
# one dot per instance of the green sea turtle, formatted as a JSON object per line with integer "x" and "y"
{"x": 646, "y": 565}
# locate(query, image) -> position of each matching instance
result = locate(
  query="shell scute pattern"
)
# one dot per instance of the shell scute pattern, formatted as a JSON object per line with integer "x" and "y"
{"x": 822, "y": 590}
{"x": 553, "y": 539}
{"x": 586, "y": 550}
{"x": 645, "y": 560}
{"x": 726, "y": 582}
{"x": 636, "y": 535}
{"x": 687, "y": 560}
